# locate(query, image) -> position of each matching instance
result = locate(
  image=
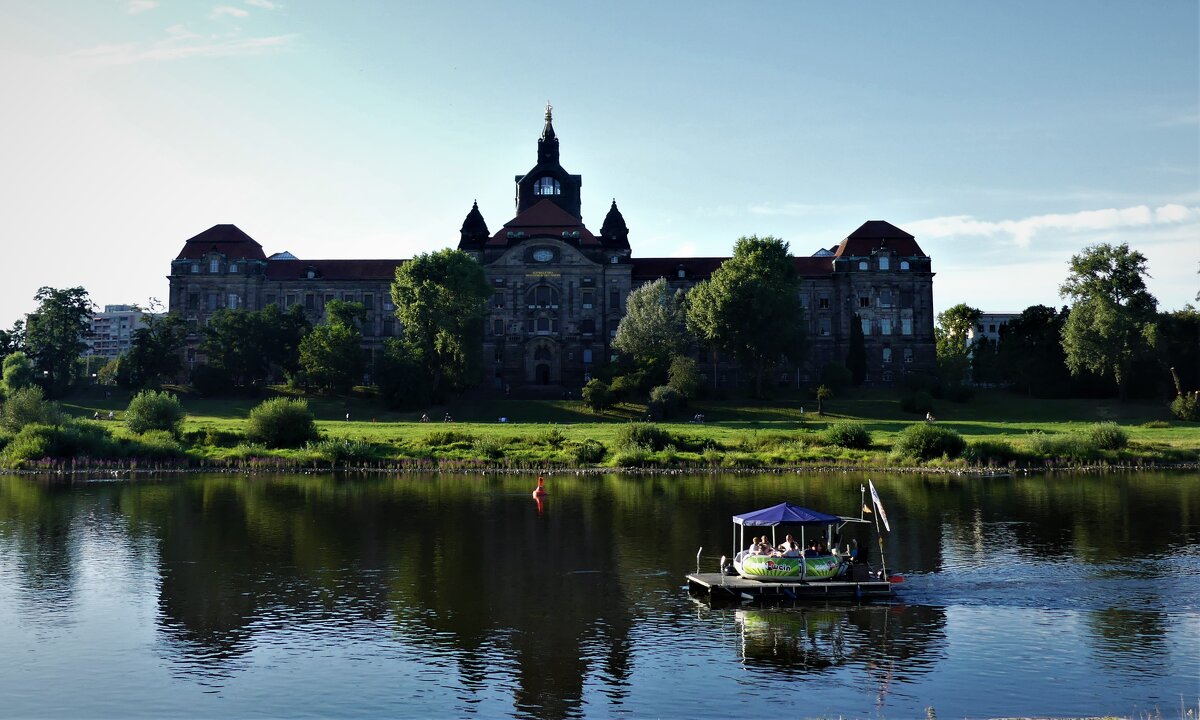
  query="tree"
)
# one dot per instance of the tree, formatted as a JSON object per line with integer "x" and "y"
{"x": 155, "y": 352}
{"x": 1179, "y": 344}
{"x": 150, "y": 410}
{"x": 652, "y": 331}
{"x": 1112, "y": 320}
{"x": 15, "y": 373}
{"x": 243, "y": 346}
{"x": 55, "y": 332}
{"x": 856, "y": 356}
{"x": 822, "y": 394}
{"x": 684, "y": 376}
{"x": 596, "y": 395}
{"x": 1031, "y": 355}
{"x": 332, "y": 355}
{"x": 750, "y": 307}
{"x": 954, "y": 325}
{"x": 12, "y": 341}
{"x": 440, "y": 299}
{"x": 401, "y": 375}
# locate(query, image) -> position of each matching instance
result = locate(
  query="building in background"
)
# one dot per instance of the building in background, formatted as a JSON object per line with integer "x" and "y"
{"x": 559, "y": 289}
{"x": 988, "y": 326}
{"x": 112, "y": 330}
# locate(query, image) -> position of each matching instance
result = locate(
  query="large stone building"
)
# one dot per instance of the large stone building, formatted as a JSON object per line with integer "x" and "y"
{"x": 559, "y": 289}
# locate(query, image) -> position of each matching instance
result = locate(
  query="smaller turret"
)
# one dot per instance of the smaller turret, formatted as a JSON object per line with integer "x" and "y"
{"x": 474, "y": 230}
{"x": 614, "y": 231}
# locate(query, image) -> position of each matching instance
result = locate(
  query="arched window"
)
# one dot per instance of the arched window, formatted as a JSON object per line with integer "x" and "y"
{"x": 887, "y": 355}
{"x": 862, "y": 265}
{"x": 903, "y": 264}
{"x": 546, "y": 186}
{"x": 883, "y": 262}
{"x": 542, "y": 295}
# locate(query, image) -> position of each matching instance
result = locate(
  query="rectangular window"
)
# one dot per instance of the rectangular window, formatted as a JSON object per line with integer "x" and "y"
{"x": 825, "y": 327}
{"x": 543, "y": 324}
{"x": 193, "y": 301}
{"x": 498, "y": 299}
{"x": 348, "y": 297}
{"x": 804, "y": 300}
{"x": 906, "y": 299}
{"x": 587, "y": 326}
{"x": 587, "y": 355}
{"x": 232, "y": 302}
{"x": 991, "y": 328}
{"x": 497, "y": 327}
{"x": 330, "y": 296}
{"x": 214, "y": 266}
{"x": 908, "y": 355}
{"x": 213, "y": 299}
{"x": 614, "y": 300}
{"x": 388, "y": 326}
{"x": 310, "y": 302}
{"x": 883, "y": 262}
{"x": 195, "y": 267}
{"x": 369, "y": 304}
{"x": 589, "y": 297}
{"x": 887, "y": 356}
{"x": 885, "y": 298}
{"x": 289, "y": 300}
{"x": 233, "y": 267}
{"x": 885, "y": 326}
{"x": 823, "y": 301}
{"x": 906, "y": 326}
{"x": 864, "y": 301}
{"x": 866, "y": 326}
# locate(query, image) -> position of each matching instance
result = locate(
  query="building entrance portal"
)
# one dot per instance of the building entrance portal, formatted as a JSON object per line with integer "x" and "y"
{"x": 542, "y": 374}
{"x": 542, "y": 363}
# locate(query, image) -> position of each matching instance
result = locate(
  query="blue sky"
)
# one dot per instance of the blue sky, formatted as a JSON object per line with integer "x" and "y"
{"x": 1005, "y": 136}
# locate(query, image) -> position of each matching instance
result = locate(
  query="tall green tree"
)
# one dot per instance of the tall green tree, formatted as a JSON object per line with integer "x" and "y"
{"x": 1179, "y": 345}
{"x": 750, "y": 307}
{"x": 155, "y": 352}
{"x": 243, "y": 346}
{"x": 332, "y": 354}
{"x": 12, "y": 341}
{"x": 55, "y": 335}
{"x": 402, "y": 376}
{"x": 653, "y": 330}
{"x": 951, "y": 333}
{"x": 16, "y": 372}
{"x": 1112, "y": 319}
{"x": 440, "y": 299}
{"x": 1030, "y": 352}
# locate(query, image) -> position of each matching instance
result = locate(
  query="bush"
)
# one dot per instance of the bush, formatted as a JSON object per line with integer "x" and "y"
{"x": 918, "y": 403}
{"x": 664, "y": 401}
{"x": 156, "y": 444}
{"x": 150, "y": 410}
{"x": 27, "y": 406}
{"x": 848, "y": 435}
{"x": 281, "y": 423}
{"x": 489, "y": 447}
{"x": 624, "y": 387}
{"x": 588, "y": 452}
{"x": 597, "y": 395}
{"x": 684, "y": 376}
{"x": 16, "y": 373}
{"x": 1156, "y": 425}
{"x": 439, "y": 438}
{"x": 212, "y": 437}
{"x": 836, "y": 376}
{"x": 73, "y": 439}
{"x": 926, "y": 441}
{"x": 633, "y": 457}
{"x": 340, "y": 451}
{"x": 1187, "y": 406}
{"x": 990, "y": 452}
{"x": 552, "y": 437}
{"x": 643, "y": 435}
{"x": 1106, "y": 436}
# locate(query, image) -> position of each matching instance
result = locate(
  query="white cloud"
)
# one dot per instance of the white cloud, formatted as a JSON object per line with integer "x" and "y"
{"x": 800, "y": 209}
{"x": 133, "y": 7}
{"x": 264, "y": 4}
{"x": 227, "y": 10}
{"x": 181, "y": 43}
{"x": 1023, "y": 231}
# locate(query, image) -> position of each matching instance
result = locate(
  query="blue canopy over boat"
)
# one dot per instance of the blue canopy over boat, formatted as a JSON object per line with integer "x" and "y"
{"x": 786, "y": 513}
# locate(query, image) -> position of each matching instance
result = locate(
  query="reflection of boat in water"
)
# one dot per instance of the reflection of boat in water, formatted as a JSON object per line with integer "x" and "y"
{"x": 796, "y": 573}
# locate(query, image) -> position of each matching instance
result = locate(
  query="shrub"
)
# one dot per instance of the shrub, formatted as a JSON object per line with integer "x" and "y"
{"x": 5, "y": 438}
{"x": 848, "y": 435}
{"x": 26, "y": 406}
{"x": 489, "y": 447}
{"x": 664, "y": 401}
{"x": 213, "y": 437}
{"x": 990, "y": 452}
{"x": 588, "y": 452}
{"x": 339, "y": 451}
{"x": 684, "y": 376}
{"x": 552, "y": 437}
{"x": 597, "y": 395}
{"x": 643, "y": 435}
{"x": 1156, "y": 424}
{"x": 281, "y": 423}
{"x": 633, "y": 457}
{"x": 16, "y": 372}
{"x": 73, "y": 439}
{"x": 836, "y": 376}
{"x": 156, "y": 444}
{"x": 919, "y": 403}
{"x": 439, "y": 438}
{"x": 150, "y": 410}
{"x": 926, "y": 441}
{"x": 1106, "y": 436}
{"x": 1187, "y": 406}
{"x": 249, "y": 451}
{"x": 624, "y": 387}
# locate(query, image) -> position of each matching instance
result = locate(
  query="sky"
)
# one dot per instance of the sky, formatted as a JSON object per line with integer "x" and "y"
{"x": 1005, "y": 136}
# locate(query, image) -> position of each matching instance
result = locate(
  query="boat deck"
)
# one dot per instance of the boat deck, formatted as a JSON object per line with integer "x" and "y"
{"x": 720, "y": 587}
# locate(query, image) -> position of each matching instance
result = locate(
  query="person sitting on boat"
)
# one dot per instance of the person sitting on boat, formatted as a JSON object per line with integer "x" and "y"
{"x": 789, "y": 543}
{"x": 821, "y": 549}
{"x": 765, "y": 544}
{"x": 812, "y": 549}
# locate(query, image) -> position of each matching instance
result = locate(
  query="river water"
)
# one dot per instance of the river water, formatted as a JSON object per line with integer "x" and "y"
{"x": 457, "y": 596}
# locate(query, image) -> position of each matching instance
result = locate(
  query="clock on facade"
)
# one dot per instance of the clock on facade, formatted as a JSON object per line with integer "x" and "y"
{"x": 543, "y": 255}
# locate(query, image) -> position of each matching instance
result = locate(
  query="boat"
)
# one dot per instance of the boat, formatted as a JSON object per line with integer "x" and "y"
{"x": 810, "y": 524}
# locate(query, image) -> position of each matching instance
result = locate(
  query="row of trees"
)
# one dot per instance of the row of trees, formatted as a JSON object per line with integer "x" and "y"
{"x": 1111, "y": 337}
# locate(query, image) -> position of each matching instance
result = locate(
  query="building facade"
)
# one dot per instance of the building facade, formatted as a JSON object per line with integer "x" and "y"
{"x": 559, "y": 289}
{"x": 112, "y": 330}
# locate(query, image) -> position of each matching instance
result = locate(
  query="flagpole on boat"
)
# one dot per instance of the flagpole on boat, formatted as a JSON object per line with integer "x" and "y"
{"x": 882, "y": 560}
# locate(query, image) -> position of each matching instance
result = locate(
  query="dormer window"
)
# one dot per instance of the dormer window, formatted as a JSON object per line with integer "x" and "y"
{"x": 214, "y": 266}
{"x": 195, "y": 268}
{"x": 862, "y": 265}
{"x": 311, "y": 274}
{"x": 546, "y": 186}
{"x": 613, "y": 260}
{"x": 883, "y": 262}
{"x": 903, "y": 264}
{"x": 233, "y": 267}
{"x": 682, "y": 272}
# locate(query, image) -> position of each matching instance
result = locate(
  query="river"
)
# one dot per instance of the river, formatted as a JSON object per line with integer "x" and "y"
{"x": 457, "y": 596}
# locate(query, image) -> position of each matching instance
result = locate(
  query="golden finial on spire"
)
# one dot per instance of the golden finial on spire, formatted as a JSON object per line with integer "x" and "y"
{"x": 549, "y": 111}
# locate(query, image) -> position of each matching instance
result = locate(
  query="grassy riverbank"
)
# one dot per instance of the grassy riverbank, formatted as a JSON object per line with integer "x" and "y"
{"x": 1001, "y": 430}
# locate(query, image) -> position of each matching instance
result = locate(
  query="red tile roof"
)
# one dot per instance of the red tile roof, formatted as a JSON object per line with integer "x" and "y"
{"x": 701, "y": 268}
{"x": 333, "y": 269}
{"x": 543, "y": 219}
{"x": 226, "y": 239}
{"x": 878, "y": 234}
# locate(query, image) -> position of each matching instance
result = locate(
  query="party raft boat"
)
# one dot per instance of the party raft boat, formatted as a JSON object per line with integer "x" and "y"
{"x": 829, "y": 575}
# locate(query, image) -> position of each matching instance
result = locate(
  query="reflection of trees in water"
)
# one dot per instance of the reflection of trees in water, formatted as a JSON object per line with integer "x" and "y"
{"x": 801, "y": 640}
{"x": 1124, "y": 640}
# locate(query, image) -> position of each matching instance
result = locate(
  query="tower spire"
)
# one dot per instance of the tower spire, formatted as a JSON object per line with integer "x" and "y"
{"x": 548, "y": 142}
